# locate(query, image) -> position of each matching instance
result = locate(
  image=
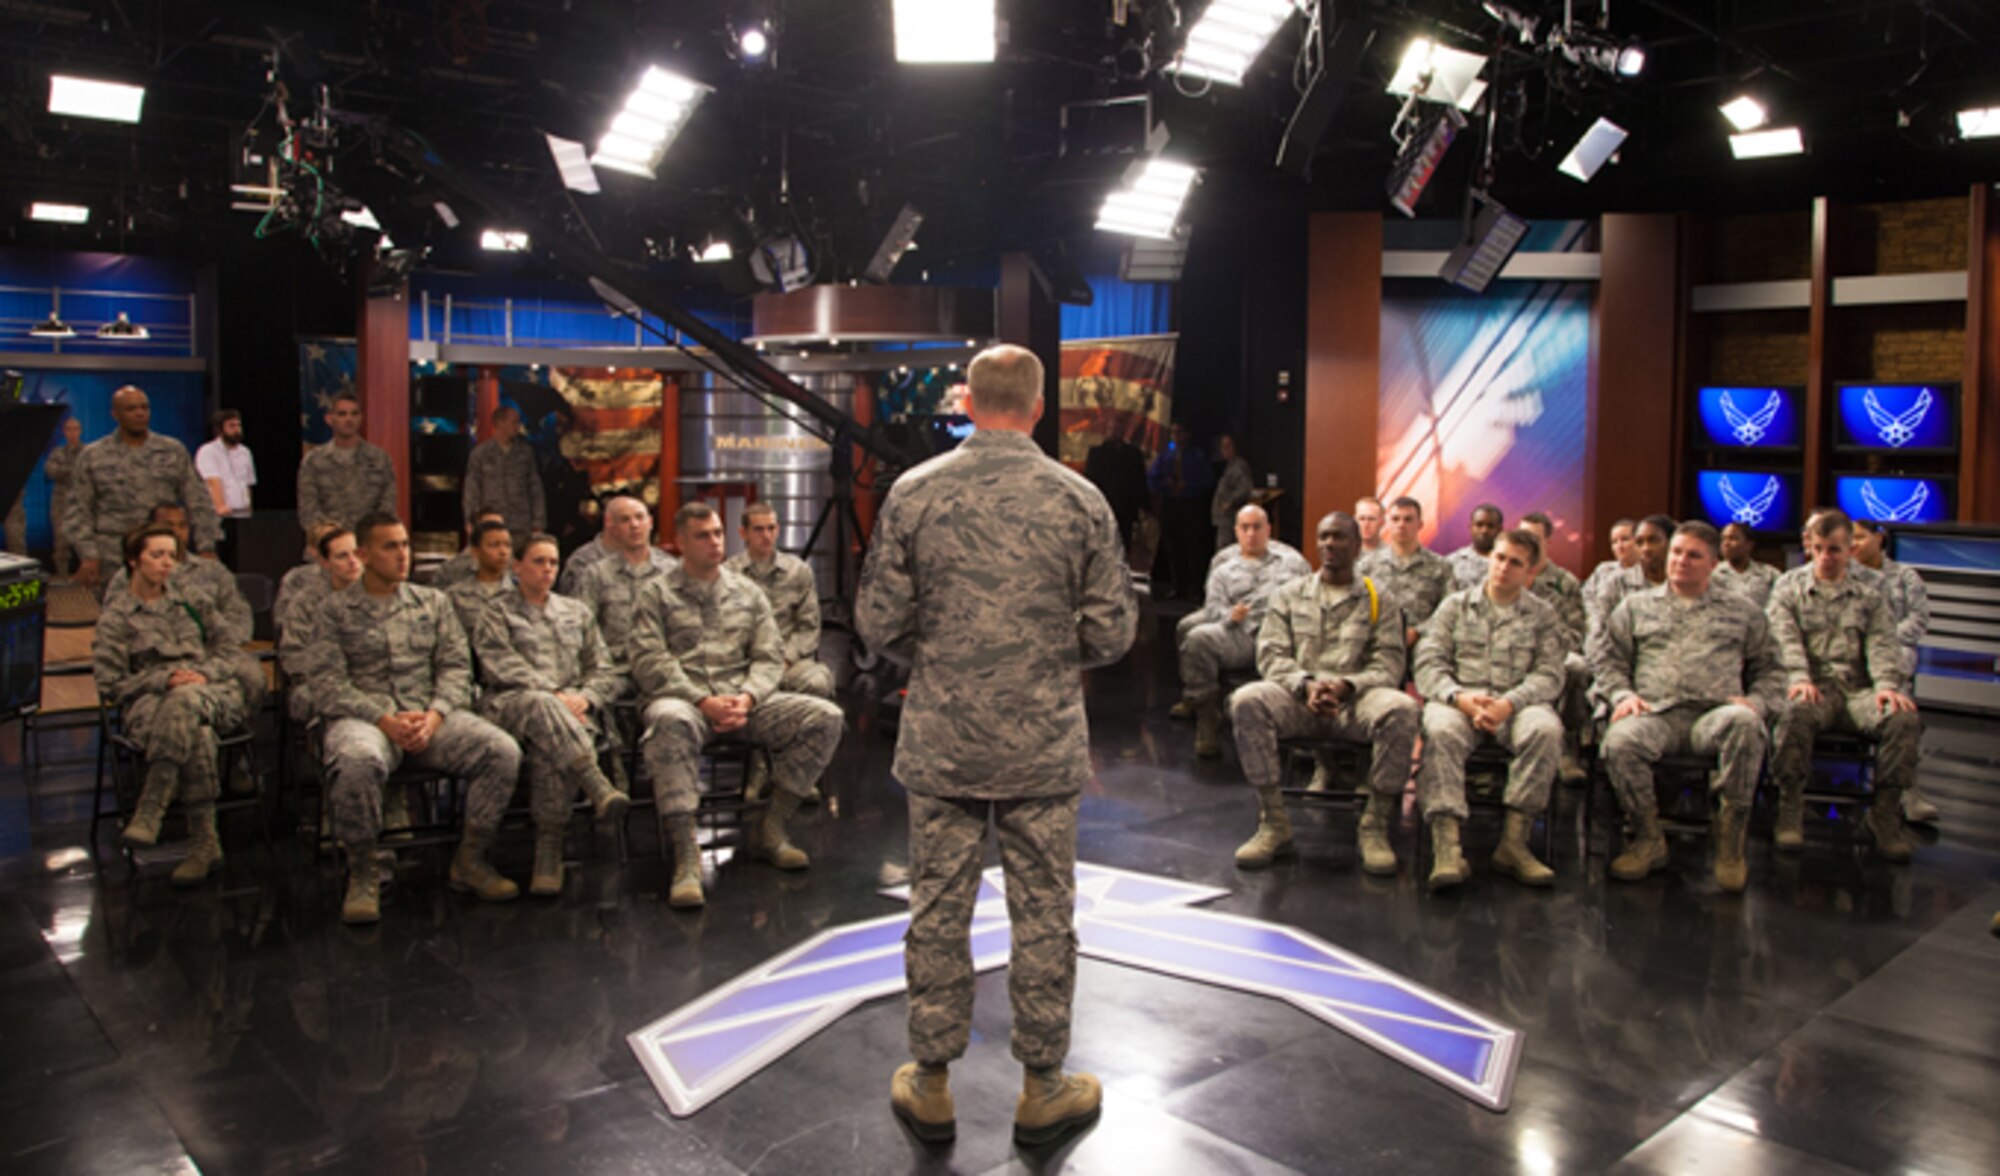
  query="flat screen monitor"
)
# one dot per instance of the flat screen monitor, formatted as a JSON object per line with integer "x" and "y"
{"x": 1759, "y": 499}
{"x": 1749, "y": 418}
{"x": 1915, "y": 419}
{"x": 21, "y": 606}
{"x": 1894, "y": 500}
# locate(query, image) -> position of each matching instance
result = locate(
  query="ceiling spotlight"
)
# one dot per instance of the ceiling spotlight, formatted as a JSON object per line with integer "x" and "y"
{"x": 1149, "y": 205}
{"x": 52, "y": 327}
{"x": 1598, "y": 145}
{"x": 1979, "y": 124}
{"x": 1765, "y": 144}
{"x": 653, "y": 117}
{"x": 754, "y": 42}
{"x": 932, "y": 32}
{"x": 445, "y": 214}
{"x": 361, "y": 218}
{"x": 62, "y": 214}
{"x": 1630, "y": 62}
{"x": 123, "y": 330}
{"x": 501, "y": 241}
{"x": 573, "y": 164}
{"x": 1439, "y": 73}
{"x": 1229, "y": 37}
{"x": 1745, "y": 113}
{"x": 713, "y": 250}
{"x": 111, "y": 101}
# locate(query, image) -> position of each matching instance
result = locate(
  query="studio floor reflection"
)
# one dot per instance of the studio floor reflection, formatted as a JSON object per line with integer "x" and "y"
{"x": 1841, "y": 1016}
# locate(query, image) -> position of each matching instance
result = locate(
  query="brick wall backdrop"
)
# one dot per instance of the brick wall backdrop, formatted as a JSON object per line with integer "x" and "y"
{"x": 1758, "y": 347}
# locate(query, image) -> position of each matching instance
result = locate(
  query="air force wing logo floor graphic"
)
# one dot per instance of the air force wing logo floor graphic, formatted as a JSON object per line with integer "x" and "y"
{"x": 702, "y": 1051}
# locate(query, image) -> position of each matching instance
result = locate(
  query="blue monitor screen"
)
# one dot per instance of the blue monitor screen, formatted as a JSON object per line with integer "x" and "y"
{"x": 1749, "y": 418}
{"x": 1898, "y": 417}
{"x": 1759, "y": 500}
{"x": 1894, "y": 500}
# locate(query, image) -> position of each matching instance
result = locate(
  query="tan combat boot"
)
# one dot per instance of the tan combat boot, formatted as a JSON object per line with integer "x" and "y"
{"x": 396, "y": 821}
{"x": 204, "y": 847}
{"x": 770, "y": 842}
{"x": 1184, "y": 709}
{"x": 1732, "y": 824}
{"x": 470, "y": 871}
{"x": 1789, "y": 832}
{"x": 363, "y": 903}
{"x": 1053, "y": 1104}
{"x": 686, "y": 886}
{"x": 162, "y": 781}
{"x": 921, "y": 1097}
{"x": 1645, "y": 850}
{"x": 1273, "y": 838}
{"x": 1208, "y": 726}
{"x": 1322, "y": 780}
{"x": 1917, "y": 808}
{"x": 606, "y": 801}
{"x": 1448, "y": 866}
{"x": 1885, "y": 824}
{"x": 1514, "y": 858}
{"x": 547, "y": 879}
{"x": 1371, "y": 835}
{"x": 756, "y": 776}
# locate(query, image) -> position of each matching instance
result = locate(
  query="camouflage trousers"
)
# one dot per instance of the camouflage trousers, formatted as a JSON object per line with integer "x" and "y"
{"x": 1210, "y": 649}
{"x": 1897, "y": 736}
{"x": 1734, "y": 734}
{"x": 807, "y": 677}
{"x": 359, "y": 759}
{"x": 798, "y": 732}
{"x": 179, "y": 727}
{"x": 556, "y": 749}
{"x": 1534, "y": 735}
{"x": 1264, "y": 713}
{"x": 1038, "y": 853}
{"x": 61, "y": 558}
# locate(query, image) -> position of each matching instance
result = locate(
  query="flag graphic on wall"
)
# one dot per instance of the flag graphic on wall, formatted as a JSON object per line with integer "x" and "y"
{"x": 1116, "y": 387}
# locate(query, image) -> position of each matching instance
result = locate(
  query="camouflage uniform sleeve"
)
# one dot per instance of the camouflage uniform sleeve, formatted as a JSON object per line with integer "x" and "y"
{"x": 205, "y": 527}
{"x": 334, "y": 689}
{"x": 295, "y": 639}
{"x": 1781, "y": 617}
{"x": 767, "y": 651}
{"x": 602, "y": 682}
{"x": 385, "y": 488}
{"x": 1570, "y": 613}
{"x": 1436, "y": 657}
{"x": 111, "y": 662}
{"x": 1916, "y": 619}
{"x": 78, "y": 511}
{"x": 233, "y": 620}
{"x": 1885, "y": 652}
{"x": 501, "y": 666}
{"x": 311, "y": 509}
{"x": 654, "y": 667}
{"x": 1107, "y": 616}
{"x": 473, "y": 493}
{"x": 1763, "y": 673}
{"x": 451, "y": 663}
{"x": 1277, "y": 648}
{"x": 885, "y": 607}
{"x": 1215, "y": 602}
{"x": 1388, "y": 654}
{"x": 1616, "y": 655}
{"x": 1546, "y": 677}
{"x": 805, "y": 634}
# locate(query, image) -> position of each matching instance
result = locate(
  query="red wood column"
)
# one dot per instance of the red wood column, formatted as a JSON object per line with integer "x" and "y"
{"x": 670, "y": 458}
{"x": 382, "y": 361}
{"x": 1818, "y": 319}
{"x": 1634, "y": 450}
{"x": 1343, "y": 388}
{"x": 864, "y": 415}
{"x": 486, "y": 398}
{"x": 1978, "y": 481}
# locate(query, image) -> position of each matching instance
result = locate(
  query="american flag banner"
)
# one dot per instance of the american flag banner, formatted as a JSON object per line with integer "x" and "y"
{"x": 1117, "y": 387}
{"x": 326, "y": 369}
{"x": 613, "y": 429}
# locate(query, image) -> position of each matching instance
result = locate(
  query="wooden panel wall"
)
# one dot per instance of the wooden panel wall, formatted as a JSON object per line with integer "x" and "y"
{"x": 382, "y": 364}
{"x": 1343, "y": 363}
{"x": 1637, "y": 442}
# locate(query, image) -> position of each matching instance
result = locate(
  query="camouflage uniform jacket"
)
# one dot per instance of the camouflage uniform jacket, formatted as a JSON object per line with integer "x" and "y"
{"x": 1315, "y": 630}
{"x": 611, "y": 587}
{"x": 1598, "y": 575}
{"x": 207, "y": 581}
{"x": 385, "y": 655}
{"x": 1511, "y": 652}
{"x": 1239, "y": 579}
{"x": 116, "y": 486}
{"x": 299, "y": 590}
{"x": 997, "y": 575}
{"x": 462, "y": 566}
{"x": 693, "y": 641}
{"x": 1418, "y": 583}
{"x": 1755, "y": 583}
{"x": 1909, "y": 607}
{"x": 1468, "y": 567}
{"x": 139, "y": 644}
{"x": 1559, "y": 589}
{"x": 472, "y": 598}
{"x": 788, "y": 582}
{"x": 1839, "y": 635}
{"x": 507, "y": 480}
{"x": 1698, "y": 653}
{"x": 555, "y": 646}
{"x": 342, "y": 485}
{"x": 579, "y": 562}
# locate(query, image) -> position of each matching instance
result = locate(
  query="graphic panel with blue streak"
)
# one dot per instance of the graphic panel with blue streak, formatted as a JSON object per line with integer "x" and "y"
{"x": 1894, "y": 500}
{"x": 1905, "y": 418}
{"x": 700, "y": 1052}
{"x": 1758, "y": 499}
{"x": 1749, "y": 418}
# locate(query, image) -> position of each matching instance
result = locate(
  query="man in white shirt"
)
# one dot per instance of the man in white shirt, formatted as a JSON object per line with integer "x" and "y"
{"x": 229, "y": 470}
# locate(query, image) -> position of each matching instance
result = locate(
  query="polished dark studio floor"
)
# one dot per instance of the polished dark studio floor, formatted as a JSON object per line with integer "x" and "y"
{"x": 1842, "y": 1016}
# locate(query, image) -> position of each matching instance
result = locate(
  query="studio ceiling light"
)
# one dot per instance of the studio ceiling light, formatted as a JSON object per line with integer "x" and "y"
{"x": 1765, "y": 144}
{"x": 1149, "y": 205}
{"x": 1979, "y": 124}
{"x": 502, "y": 241}
{"x": 754, "y": 42}
{"x": 1440, "y": 73}
{"x": 658, "y": 108}
{"x": 52, "y": 327}
{"x": 715, "y": 249}
{"x": 1591, "y": 152}
{"x": 1745, "y": 113}
{"x": 573, "y": 164}
{"x": 122, "y": 329}
{"x": 84, "y": 98}
{"x": 1228, "y": 38}
{"x": 61, "y": 214}
{"x": 946, "y": 32}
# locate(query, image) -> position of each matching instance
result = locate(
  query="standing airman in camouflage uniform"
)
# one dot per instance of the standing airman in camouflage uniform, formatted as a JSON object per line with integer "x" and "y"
{"x": 707, "y": 658}
{"x": 60, "y": 466}
{"x": 549, "y": 679}
{"x": 1738, "y": 572}
{"x": 1490, "y": 667}
{"x": 1910, "y": 609}
{"x": 611, "y": 584}
{"x": 120, "y": 478}
{"x": 1688, "y": 667}
{"x": 1844, "y": 671}
{"x": 348, "y": 477}
{"x": 997, "y": 575}
{"x": 397, "y": 679}
{"x": 1469, "y": 563}
{"x": 160, "y": 658}
{"x": 1224, "y": 634}
{"x": 1332, "y": 655}
{"x": 788, "y": 583}
{"x": 492, "y": 549}
{"x": 501, "y": 474}
{"x": 1554, "y": 584}
{"x": 1416, "y": 576}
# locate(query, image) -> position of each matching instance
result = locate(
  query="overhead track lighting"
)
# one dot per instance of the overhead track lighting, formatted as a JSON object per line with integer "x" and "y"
{"x": 123, "y": 330}
{"x": 1745, "y": 113}
{"x": 754, "y": 42}
{"x": 1766, "y": 144}
{"x": 1150, "y": 203}
{"x": 84, "y": 98}
{"x": 946, "y": 32}
{"x": 61, "y": 214}
{"x": 713, "y": 250}
{"x": 1979, "y": 124}
{"x": 1231, "y": 35}
{"x": 654, "y": 114}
